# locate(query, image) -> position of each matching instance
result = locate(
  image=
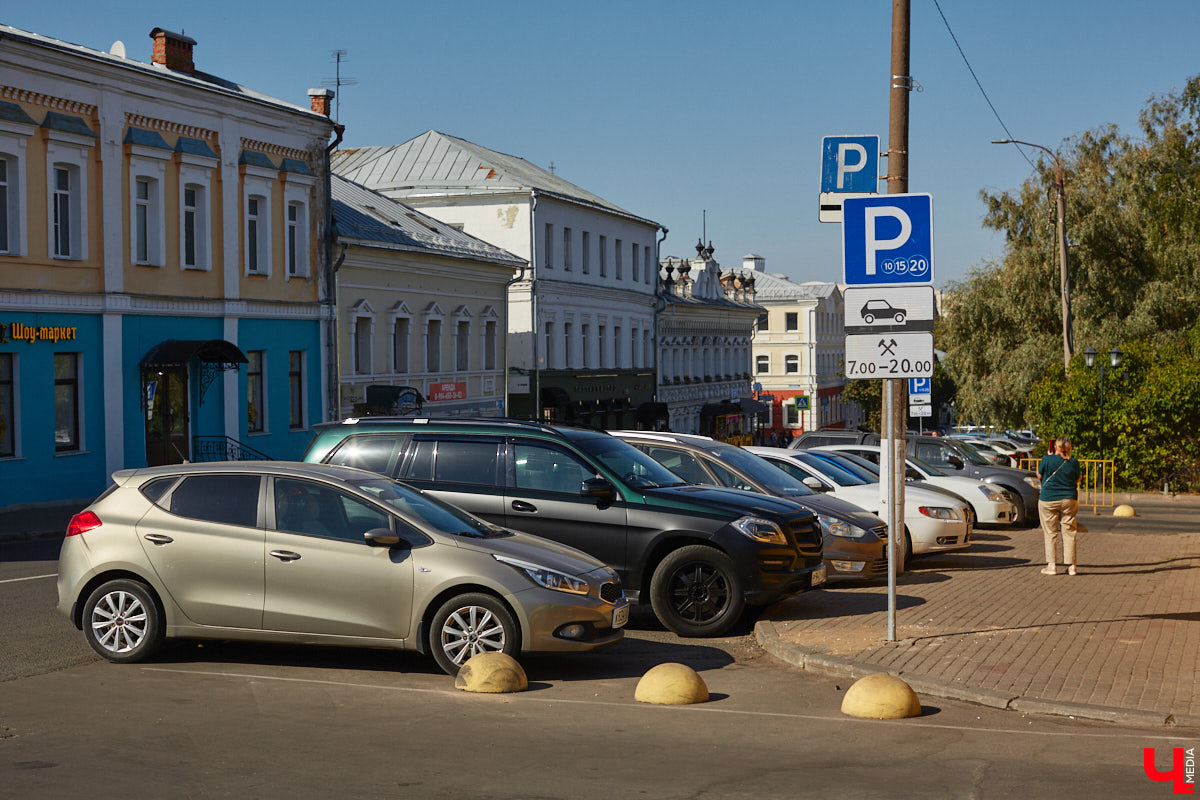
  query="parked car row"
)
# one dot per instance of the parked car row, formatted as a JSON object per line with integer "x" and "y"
{"x": 457, "y": 536}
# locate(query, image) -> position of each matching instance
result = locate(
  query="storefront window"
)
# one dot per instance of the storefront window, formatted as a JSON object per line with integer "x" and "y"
{"x": 255, "y": 418}
{"x": 296, "y": 389}
{"x": 8, "y": 420}
{"x": 66, "y": 402}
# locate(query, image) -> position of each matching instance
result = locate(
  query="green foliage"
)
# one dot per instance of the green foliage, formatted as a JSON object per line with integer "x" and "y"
{"x": 1133, "y": 228}
{"x": 1151, "y": 413}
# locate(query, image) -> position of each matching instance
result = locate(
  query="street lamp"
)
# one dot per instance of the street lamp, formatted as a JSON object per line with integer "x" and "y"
{"x": 1064, "y": 270}
{"x": 1089, "y": 358}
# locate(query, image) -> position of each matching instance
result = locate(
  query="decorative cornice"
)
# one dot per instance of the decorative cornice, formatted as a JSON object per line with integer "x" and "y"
{"x": 274, "y": 149}
{"x": 65, "y": 302}
{"x": 150, "y": 123}
{"x": 47, "y": 101}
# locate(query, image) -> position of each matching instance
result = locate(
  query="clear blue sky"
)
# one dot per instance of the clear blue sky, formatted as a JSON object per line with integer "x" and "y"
{"x": 670, "y": 109}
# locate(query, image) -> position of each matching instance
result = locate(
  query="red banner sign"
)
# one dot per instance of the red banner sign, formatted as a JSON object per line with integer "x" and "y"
{"x": 447, "y": 391}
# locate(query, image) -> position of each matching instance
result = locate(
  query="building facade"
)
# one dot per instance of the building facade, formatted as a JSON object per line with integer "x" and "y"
{"x": 799, "y": 350}
{"x": 159, "y": 266}
{"x": 706, "y": 326}
{"x": 421, "y": 309}
{"x": 581, "y": 323}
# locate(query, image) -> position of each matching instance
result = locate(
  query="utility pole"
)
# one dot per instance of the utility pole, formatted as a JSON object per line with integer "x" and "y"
{"x": 895, "y": 390}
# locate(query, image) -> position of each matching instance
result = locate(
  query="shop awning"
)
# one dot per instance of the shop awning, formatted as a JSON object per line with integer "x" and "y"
{"x": 178, "y": 352}
{"x": 752, "y": 406}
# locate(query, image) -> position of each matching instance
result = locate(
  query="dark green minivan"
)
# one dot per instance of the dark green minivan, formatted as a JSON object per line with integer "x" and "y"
{"x": 698, "y": 554}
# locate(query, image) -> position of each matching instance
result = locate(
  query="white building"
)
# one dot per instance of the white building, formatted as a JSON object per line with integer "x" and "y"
{"x": 589, "y": 291}
{"x": 421, "y": 308}
{"x": 799, "y": 350}
{"x": 705, "y": 327}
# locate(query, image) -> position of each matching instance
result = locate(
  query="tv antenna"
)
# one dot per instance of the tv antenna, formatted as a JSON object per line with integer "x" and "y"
{"x": 338, "y": 82}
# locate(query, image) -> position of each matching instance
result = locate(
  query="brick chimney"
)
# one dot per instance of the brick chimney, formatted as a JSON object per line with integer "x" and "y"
{"x": 173, "y": 50}
{"x": 322, "y": 101}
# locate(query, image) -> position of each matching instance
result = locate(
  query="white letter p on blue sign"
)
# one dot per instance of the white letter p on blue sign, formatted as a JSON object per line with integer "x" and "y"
{"x": 888, "y": 239}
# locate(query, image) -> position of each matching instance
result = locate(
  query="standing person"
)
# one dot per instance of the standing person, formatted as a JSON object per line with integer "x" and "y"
{"x": 1058, "y": 503}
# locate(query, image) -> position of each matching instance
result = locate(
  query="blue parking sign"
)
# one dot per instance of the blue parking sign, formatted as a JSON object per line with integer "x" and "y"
{"x": 920, "y": 385}
{"x": 850, "y": 164}
{"x": 887, "y": 240}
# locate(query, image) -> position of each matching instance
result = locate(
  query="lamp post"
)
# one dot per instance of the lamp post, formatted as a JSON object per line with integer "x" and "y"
{"x": 1064, "y": 270}
{"x": 1114, "y": 358}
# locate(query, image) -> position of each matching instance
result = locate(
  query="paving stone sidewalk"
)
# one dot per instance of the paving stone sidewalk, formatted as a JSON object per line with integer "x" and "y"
{"x": 1120, "y": 641}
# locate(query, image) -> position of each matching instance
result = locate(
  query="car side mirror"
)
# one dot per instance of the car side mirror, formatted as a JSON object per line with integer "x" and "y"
{"x": 815, "y": 484}
{"x": 381, "y": 537}
{"x": 955, "y": 462}
{"x": 597, "y": 489}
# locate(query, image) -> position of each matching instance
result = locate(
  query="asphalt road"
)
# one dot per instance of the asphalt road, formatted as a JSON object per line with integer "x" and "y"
{"x": 227, "y": 719}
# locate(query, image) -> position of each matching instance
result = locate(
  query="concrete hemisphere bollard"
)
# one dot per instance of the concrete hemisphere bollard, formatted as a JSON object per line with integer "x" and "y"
{"x": 881, "y": 696}
{"x": 671, "y": 685}
{"x": 491, "y": 673}
{"x": 1124, "y": 511}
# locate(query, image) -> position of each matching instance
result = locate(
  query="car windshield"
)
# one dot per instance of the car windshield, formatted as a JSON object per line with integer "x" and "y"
{"x": 422, "y": 508}
{"x": 835, "y": 473}
{"x": 856, "y": 465}
{"x": 971, "y": 454}
{"x": 637, "y": 470}
{"x": 776, "y": 481}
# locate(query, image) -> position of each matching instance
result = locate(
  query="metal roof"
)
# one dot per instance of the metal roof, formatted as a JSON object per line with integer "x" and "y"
{"x": 199, "y": 79}
{"x": 369, "y": 216}
{"x": 780, "y": 287}
{"x": 436, "y": 163}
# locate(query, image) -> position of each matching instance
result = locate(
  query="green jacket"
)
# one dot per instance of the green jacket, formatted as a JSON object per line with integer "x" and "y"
{"x": 1060, "y": 478}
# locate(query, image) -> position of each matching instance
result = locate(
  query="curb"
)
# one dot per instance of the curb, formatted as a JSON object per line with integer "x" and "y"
{"x": 809, "y": 660}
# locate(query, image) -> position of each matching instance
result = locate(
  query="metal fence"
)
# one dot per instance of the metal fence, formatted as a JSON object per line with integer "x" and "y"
{"x": 224, "y": 448}
{"x": 1096, "y": 481}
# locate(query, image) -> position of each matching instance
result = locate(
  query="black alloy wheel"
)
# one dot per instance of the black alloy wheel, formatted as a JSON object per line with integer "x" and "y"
{"x": 695, "y": 591}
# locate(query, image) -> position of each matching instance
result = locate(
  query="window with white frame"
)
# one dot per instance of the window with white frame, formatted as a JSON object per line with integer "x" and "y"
{"x": 568, "y": 349}
{"x": 548, "y": 341}
{"x": 400, "y": 344}
{"x": 256, "y": 409}
{"x": 147, "y": 225}
{"x": 489, "y": 344}
{"x": 586, "y": 253}
{"x": 67, "y": 158}
{"x": 634, "y": 265}
{"x": 14, "y": 136}
{"x": 585, "y": 336}
{"x": 433, "y": 345}
{"x": 296, "y": 192}
{"x": 617, "y": 257}
{"x": 548, "y": 244}
{"x": 791, "y": 364}
{"x": 8, "y": 408}
{"x": 647, "y": 352}
{"x": 791, "y": 321}
{"x": 256, "y": 211}
{"x": 616, "y": 342}
{"x": 66, "y": 403}
{"x": 194, "y": 244}
{"x": 462, "y": 346}
{"x": 603, "y": 256}
{"x": 296, "y": 389}
{"x": 634, "y": 361}
{"x": 567, "y": 249}
{"x": 362, "y": 344}
{"x": 602, "y": 346}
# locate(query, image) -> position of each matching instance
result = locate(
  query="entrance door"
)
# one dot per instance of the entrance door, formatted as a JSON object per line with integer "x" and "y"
{"x": 166, "y": 416}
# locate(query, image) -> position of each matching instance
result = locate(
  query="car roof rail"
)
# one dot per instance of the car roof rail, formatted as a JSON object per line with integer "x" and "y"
{"x": 463, "y": 421}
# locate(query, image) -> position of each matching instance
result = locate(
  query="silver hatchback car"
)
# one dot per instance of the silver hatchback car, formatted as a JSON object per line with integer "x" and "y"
{"x": 306, "y": 553}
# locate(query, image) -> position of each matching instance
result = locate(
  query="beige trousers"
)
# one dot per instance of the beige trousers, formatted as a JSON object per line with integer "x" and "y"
{"x": 1056, "y": 513}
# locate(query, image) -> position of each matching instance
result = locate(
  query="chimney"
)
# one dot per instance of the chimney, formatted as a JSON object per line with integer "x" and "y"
{"x": 173, "y": 50}
{"x": 321, "y": 101}
{"x": 754, "y": 262}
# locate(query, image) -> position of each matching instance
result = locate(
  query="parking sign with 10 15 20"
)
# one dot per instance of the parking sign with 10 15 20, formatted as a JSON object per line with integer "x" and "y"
{"x": 894, "y": 366}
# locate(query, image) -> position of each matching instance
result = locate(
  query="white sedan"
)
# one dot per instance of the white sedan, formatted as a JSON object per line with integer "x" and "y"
{"x": 992, "y": 506}
{"x": 933, "y": 521}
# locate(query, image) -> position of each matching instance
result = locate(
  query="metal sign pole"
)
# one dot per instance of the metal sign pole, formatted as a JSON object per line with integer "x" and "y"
{"x": 894, "y": 531}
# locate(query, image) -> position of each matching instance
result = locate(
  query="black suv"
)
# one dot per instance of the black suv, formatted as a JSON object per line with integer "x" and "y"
{"x": 699, "y": 555}
{"x": 854, "y": 540}
{"x": 954, "y": 457}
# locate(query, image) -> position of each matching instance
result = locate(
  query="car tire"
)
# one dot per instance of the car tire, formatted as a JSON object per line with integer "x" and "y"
{"x": 470, "y": 624}
{"x": 122, "y": 621}
{"x": 695, "y": 591}
{"x": 1018, "y": 502}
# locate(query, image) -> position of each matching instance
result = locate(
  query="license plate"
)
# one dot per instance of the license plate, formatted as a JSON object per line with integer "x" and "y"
{"x": 620, "y": 616}
{"x": 818, "y": 576}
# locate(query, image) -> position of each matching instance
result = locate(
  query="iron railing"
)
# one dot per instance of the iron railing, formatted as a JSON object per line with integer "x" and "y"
{"x": 224, "y": 448}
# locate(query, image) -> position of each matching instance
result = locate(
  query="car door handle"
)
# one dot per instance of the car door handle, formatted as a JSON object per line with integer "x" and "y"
{"x": 521, "y": 505}
{"x": 285, "y": 555}
{"x": 158, "y": 538}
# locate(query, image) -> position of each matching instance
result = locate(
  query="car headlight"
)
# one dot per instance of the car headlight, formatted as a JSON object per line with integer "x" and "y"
{"x": 939, "y": 512}
{"x": 995, "y": 495}
{"x": 839, "y": 527}
{"x": 1034, "y": 481}
{"x": 546, "y": 577}
{"x": 761, "y": 530}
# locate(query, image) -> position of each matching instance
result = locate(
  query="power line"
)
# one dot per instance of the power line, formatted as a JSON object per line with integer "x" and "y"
{"x": 977, "y": 83}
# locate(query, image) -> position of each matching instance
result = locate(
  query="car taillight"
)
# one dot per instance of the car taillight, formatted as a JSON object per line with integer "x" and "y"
{"x": 82, "y": 522}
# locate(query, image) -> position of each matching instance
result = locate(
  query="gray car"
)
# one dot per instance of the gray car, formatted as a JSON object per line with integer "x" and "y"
{"x": 313, "y": 554}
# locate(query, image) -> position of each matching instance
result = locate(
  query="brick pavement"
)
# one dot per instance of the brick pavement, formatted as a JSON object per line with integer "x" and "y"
{"x": 1121, "y": 640}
